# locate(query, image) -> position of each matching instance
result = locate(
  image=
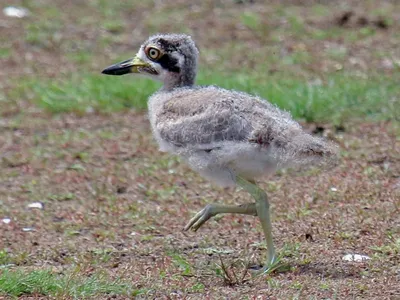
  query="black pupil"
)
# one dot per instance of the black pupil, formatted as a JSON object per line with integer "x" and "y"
{"x": 153, "y": 53}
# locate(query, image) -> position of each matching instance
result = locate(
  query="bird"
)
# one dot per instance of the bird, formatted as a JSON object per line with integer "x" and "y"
{"x": 229, "y": 137}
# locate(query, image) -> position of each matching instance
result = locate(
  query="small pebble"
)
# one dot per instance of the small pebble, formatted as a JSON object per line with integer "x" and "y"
{"x": 15, "y": 12}
{"x": 6, "y": 220}
{"x": 28, "y": 229}
{"x": 355, "y": 257}
{"x": 37, "y": 205}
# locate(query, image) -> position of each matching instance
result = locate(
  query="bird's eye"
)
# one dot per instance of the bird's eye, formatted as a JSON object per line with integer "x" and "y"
{"x": 153, "y": 53}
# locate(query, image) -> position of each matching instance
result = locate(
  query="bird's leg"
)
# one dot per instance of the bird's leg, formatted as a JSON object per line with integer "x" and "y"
{"x": 213, "y": 209}
{"x": 262, "y": 207}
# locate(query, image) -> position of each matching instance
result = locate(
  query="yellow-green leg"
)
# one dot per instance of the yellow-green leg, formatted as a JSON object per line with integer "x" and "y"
{"x": 213, "y": 209}
{"x": 262, "y": 207}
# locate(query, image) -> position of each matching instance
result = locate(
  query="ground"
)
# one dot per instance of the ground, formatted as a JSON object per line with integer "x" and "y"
{"x": 114, "y": 206}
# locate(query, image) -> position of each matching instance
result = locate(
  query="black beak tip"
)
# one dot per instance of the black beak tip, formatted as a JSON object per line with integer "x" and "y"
{"x": 117, "y": 70}
{"x": 108, "y": 71}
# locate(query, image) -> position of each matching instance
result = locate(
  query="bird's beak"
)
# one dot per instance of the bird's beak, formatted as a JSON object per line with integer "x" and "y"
{"x": 128, "y": 66}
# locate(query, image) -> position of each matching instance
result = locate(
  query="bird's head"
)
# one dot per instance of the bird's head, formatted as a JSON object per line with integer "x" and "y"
{"x": 169, "y": 58}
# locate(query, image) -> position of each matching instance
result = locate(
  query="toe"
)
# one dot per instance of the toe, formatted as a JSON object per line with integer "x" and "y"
{"x": 199, "y": 222}
{"x": 193, "y": 220}
{"x": 199, "y": 219}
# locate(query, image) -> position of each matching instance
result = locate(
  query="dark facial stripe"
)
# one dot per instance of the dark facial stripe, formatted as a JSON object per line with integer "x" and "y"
{"x": 169, "y": 63}
{"x": 167, "y": 46}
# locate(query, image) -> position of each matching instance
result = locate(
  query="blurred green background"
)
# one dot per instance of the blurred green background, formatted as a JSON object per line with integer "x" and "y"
{"x": 321, "y": 60}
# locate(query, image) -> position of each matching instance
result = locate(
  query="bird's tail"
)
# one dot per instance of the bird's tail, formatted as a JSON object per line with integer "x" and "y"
{"x": 314, "y": 149}
{"x": 303, "y": 149}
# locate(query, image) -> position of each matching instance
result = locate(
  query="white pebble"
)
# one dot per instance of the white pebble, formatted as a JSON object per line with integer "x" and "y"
{"x": 38, "y": 205}
{"x": 15, "y": 12}
{"x": 355, "y": 257}
{"x": 28, "y": 229}
{"x": 6, "y": 220}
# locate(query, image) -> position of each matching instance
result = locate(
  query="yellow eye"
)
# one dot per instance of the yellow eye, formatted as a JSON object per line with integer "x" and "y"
{"x": 153, "y": 53}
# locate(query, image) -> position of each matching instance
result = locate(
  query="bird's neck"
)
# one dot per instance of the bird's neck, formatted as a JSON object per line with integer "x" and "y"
{"x": 187, "y": 79}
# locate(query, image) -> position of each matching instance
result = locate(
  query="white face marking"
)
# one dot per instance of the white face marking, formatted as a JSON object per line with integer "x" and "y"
{"x": 154, "y": 65}
{"x": 142, "y": 55}
{"x": 163, "y": 75}
{"x": 180, "y": 59}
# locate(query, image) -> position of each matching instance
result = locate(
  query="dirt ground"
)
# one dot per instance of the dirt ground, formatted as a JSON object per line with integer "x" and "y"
{"x": 113, "y": 203}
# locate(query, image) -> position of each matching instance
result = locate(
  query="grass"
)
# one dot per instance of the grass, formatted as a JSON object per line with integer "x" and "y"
{"x": 339, "y": 98}
{"x": 287, "y": 39}
{"x": 88, "y": 93}
{"x": 46, "y": 283}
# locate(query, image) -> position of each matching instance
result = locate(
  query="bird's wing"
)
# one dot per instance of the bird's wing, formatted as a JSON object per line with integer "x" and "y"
{"x": 200, "y": 118}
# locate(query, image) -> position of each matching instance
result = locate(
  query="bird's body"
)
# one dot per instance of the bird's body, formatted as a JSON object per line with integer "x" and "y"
{"x": 223, "y": 133}
{"x": 227, "y": 136}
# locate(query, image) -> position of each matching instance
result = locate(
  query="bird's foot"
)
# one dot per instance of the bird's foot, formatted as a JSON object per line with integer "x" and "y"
{"x": 271, "y": 266}
{"x": 200, "y": 218}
